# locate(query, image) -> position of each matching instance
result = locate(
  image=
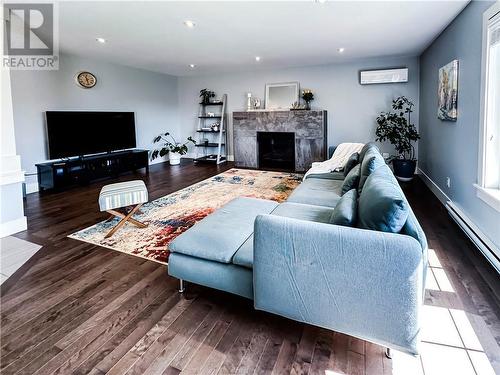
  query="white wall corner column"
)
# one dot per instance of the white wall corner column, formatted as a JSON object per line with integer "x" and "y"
{"x": 12, "y": 219}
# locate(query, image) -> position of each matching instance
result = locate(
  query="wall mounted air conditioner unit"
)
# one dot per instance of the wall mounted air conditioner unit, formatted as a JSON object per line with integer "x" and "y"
{"x": 395, "y": 75}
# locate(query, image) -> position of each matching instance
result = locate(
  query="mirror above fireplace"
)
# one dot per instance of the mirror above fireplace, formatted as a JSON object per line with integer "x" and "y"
{"x": 280, "y": 96}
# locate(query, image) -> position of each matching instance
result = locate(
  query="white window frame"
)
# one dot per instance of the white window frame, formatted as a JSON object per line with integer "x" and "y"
{"x": 489, "y": 195}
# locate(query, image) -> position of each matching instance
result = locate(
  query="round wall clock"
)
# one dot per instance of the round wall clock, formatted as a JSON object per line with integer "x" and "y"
{"x": 86, "y": 80}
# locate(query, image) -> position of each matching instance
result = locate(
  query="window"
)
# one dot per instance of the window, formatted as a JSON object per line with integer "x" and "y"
{"x": 489, "y": 157}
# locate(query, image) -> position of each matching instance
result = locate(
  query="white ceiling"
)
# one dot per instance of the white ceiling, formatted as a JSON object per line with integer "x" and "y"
{"x": 228, "y": 35}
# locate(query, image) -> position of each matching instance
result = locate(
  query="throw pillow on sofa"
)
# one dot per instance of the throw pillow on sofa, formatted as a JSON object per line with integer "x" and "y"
{"x": 382, "y": 205}
{"x": 366, "y": 147}
{"x": 351, "y": 181}
{"x": 345, "y": 212}
{"x": 371, "y": 161}
{"x": 351, "y": 163}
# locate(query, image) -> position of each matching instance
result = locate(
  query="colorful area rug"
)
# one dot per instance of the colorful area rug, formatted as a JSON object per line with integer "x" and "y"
{"x": 173, "y": 214}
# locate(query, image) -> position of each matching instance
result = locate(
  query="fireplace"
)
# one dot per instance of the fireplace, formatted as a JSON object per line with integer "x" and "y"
{"x": 276, "y": 150}
{"x": 309, "y": 128}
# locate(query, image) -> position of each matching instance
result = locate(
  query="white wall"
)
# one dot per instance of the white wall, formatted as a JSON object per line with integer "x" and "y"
{"x": 152, "y": 96}
{"x": 352, "y": 108}
{"x": 12, "y": 219}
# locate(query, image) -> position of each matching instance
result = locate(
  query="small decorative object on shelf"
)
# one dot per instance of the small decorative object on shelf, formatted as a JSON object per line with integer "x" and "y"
{"x": 256, "y": 103}
{"x": 396, "y": 127}
{"x": 253, "y": 103}
{"x": 211, "y": 114}
{"x": 215, "y": 126}
{"x": 296, "y": 106}
{"x": 171, "y": 147}
{"x": 206, "y": 95}
{"x": 308, "y": 97}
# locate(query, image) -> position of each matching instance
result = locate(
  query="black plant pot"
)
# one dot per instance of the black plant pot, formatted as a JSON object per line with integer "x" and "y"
{"x": 404, "y": 169}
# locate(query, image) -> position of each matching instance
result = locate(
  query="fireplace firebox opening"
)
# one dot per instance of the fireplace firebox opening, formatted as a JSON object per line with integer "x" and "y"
{"x": 276, "y": 150}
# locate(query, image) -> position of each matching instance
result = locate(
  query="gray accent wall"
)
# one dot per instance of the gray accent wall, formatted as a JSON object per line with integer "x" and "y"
{"x": 450, "y": 149}
{"x": 352, "y": 108}
{"x": 152, "y": 96}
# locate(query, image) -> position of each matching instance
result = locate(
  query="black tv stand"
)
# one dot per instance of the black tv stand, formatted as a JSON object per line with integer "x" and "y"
{"x": 64, "y": 173}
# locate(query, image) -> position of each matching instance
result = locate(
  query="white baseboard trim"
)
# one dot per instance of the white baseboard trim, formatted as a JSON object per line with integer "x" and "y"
{"x": 193, "y": 155}
{"x": 476, "y": 235}
{"x": 440, "y": 194}
{"x": 159, "y": 160}
{"x": 14, "y": 226}
{"x": 31, "y": 187}
{"x": 482, "y": 242}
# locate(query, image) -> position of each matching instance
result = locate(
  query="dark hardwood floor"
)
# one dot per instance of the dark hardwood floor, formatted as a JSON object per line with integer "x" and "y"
{"x": 81, "y": 309}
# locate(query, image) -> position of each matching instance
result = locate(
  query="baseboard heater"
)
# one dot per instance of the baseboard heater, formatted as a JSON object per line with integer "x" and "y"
{"x": 475, "y": 235}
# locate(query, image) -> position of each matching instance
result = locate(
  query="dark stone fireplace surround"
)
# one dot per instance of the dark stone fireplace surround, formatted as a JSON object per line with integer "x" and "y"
{"x": 309, "y": 128}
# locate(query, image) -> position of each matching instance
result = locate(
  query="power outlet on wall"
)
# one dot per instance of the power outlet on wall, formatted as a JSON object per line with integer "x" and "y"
{"x": 448, "y": 182}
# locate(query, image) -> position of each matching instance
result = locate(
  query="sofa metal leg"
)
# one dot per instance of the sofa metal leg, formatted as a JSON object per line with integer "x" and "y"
{"x": 181, "y": 286}
{"x": 388, "y": 353}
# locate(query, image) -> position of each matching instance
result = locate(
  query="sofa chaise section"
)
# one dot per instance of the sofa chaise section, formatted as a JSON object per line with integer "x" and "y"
{"x": 204, "y": 254}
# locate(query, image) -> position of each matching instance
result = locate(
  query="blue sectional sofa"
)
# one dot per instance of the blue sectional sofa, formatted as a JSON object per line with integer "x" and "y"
{"x": 292, "y": 260}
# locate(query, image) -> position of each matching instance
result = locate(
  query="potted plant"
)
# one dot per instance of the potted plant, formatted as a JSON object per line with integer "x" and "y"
{"x": 205, "y": 96}
{"x": 395, "y": 126}
{"x": 172, "y": 147}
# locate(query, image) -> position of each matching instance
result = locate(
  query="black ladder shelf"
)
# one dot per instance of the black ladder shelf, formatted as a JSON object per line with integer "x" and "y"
{"x": 210, "y": 141}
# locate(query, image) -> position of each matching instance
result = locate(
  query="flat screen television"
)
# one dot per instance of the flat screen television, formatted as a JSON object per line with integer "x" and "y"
{"x": 81, "y": 133}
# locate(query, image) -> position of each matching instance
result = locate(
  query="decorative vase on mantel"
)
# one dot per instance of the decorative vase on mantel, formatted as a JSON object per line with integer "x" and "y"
{"x": 308, "y": 97}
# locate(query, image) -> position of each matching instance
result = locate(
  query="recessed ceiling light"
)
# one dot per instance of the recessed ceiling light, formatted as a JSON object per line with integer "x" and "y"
{"x": 192, "y": 66}
{"x": 341, "y": 49}
{"x": 100, "y": 40}
{"x": 257, "y": 58}
{"x": 189, "y": 24}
